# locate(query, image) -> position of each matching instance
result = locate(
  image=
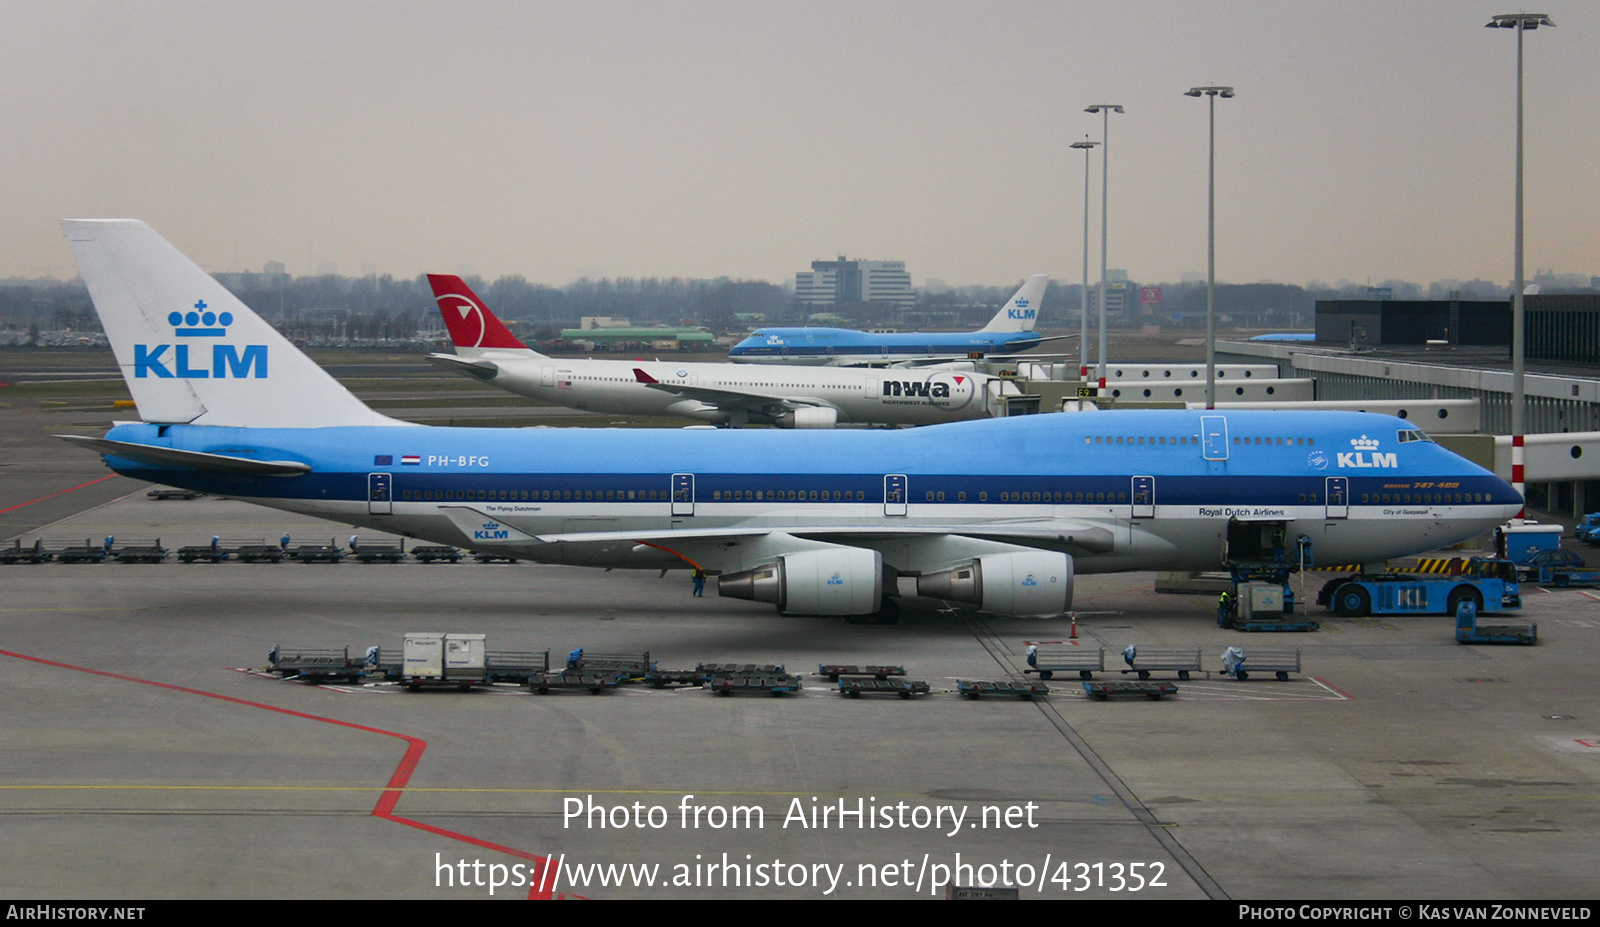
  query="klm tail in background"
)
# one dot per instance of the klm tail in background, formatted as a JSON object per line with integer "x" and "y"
{"x": 190, "y": 351}
{"x": 1021, "y": 312}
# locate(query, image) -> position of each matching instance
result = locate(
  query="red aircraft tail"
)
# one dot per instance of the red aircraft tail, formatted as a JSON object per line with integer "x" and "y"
{"x": 471, "y": 323}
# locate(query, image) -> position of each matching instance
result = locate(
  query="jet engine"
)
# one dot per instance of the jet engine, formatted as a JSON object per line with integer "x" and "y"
{"x": 1032, "y": 582}
{"x": 830, "y": 581}
{"x": 808, "y": 417}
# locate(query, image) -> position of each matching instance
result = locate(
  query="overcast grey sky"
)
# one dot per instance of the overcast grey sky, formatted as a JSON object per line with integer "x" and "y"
{"x": 1369, "y": 140}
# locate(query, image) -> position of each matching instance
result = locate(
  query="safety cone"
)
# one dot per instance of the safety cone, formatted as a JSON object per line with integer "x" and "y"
{"x": 1074, "y": 626}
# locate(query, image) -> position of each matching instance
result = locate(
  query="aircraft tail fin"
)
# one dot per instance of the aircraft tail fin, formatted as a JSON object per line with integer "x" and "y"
{"x": 1021, "y": 311}
{"x": 192, "y": 352}
{"x": 472, "y": 326}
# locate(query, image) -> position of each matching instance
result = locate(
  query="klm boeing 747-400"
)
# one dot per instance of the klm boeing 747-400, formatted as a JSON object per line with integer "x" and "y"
{"x": 1000, "y": 513}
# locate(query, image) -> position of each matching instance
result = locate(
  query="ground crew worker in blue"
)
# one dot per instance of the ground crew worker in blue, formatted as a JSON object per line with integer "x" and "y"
{"x": 699, "y": 582}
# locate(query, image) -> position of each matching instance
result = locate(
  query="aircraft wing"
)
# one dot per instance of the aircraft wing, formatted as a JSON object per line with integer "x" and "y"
{"x": 1067, "y": 536}
{"x": 724, "y": 398}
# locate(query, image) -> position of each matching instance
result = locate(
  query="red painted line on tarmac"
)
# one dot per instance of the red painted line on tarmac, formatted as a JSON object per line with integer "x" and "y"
{"x": 415, "y": 747}
{"x": 21, "y": 505}
{"x": 1334, "y": 688}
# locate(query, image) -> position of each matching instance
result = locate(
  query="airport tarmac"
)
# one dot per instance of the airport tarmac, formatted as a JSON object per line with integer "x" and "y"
{"x": 144, "y": 758}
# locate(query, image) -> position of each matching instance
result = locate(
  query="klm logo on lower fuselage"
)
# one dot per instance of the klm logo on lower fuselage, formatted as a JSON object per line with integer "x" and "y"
{"x": 1367, "y": 455}
{"x": 223, "y": 362}
{"x": 912, "y": 388}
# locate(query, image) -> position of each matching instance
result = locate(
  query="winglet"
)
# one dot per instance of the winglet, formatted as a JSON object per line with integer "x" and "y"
{"x": 1021, "y": 311}
{"x": 641, "y": 377}
{"x": 471, "y": 324}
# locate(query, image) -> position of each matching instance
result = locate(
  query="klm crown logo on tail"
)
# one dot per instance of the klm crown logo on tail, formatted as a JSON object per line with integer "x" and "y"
{"x": 1020, "y": 309}
{"x": 225, "y": 360}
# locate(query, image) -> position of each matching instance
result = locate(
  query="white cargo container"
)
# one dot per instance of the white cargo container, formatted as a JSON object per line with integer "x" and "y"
{"x": 436, "y": 658}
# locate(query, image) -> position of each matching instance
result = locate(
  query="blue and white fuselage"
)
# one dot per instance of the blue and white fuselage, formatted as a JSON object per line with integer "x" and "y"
{"x": 1010, "y": 331}
{"x": 1131, "y": 490}
{"x": 844, "y": 346}
{"x": 999, "y": 513}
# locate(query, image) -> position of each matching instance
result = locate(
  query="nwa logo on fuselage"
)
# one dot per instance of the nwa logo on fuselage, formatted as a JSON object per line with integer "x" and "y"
{"x": 1020, "y": 310}
{"x": 941, "y": 390}
{"x": 224, "y": 360}
{"x": 927, "y": 390}
{"x": 1366, "y": 454}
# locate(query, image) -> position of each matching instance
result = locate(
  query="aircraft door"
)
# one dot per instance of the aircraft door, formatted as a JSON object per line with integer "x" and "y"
{"x": 1144, "y": 497}
{"x": 380, "y": 493}
{"x": 1214, "y": 437}
{"x": 1338, "y": 488}
{"x": 683, "y": 493}
{"x": 894, "y": 494}
{"x": 547, "y": 376}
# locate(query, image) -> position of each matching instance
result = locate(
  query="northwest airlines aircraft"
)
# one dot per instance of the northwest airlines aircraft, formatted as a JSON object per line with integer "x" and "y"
{"x": 723, "y": 394}
{"x": 1010, "y": 331}
{"x": 1000, "y": 513}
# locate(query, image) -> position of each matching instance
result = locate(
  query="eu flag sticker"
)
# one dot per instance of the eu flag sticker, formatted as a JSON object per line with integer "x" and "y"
{"x": 383, "y": 460}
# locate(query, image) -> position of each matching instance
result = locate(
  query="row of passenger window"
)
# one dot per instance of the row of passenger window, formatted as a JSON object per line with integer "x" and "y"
{"x": 1195, "y": 439}
{"x": 534, "y": 495}
{"x": 787, "y": 495}
{"x": 1424, "y": 498}
{"x": 1120, "y": 439}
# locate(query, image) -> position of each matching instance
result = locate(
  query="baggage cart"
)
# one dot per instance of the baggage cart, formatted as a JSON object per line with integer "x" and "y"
{"x": 1085, "y": 661}
{"x": 1147, "y": 660}
{"x": 1025, "y": 690}
{"x": 1102, "y": 691}
{"x": 854, "y": 686}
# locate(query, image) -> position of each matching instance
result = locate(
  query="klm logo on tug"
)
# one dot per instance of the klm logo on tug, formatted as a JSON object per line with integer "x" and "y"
{"x": 1020, "y": 310}
{"x": 226, "y": 360}
{"x": 1366, "y": 454}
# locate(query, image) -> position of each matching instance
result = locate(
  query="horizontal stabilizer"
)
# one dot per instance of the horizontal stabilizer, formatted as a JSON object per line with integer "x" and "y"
{"x": 478, "y": 369}
{"x": 197, "y": 460}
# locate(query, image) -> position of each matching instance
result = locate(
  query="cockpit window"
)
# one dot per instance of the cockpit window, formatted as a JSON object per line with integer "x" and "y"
{"x": 1408, "y": 436}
